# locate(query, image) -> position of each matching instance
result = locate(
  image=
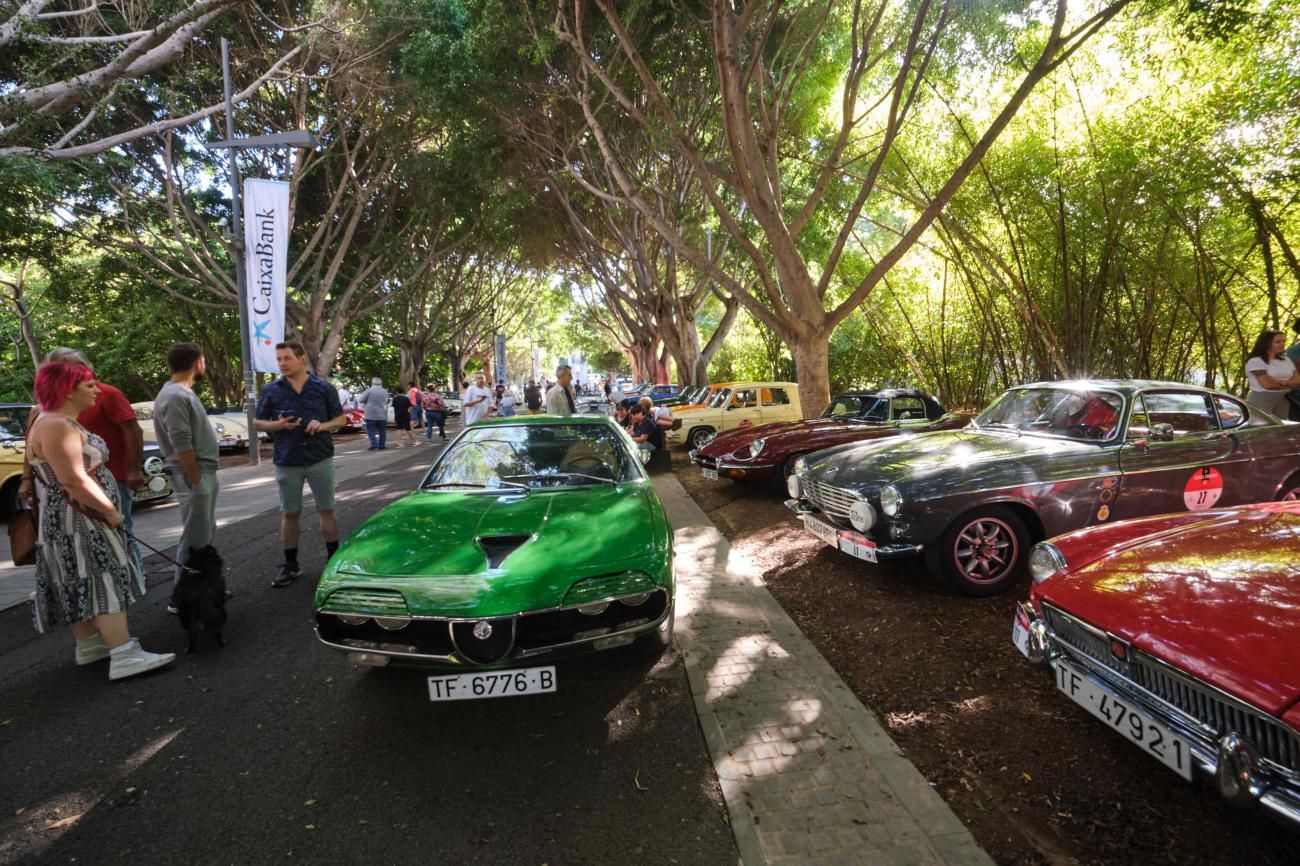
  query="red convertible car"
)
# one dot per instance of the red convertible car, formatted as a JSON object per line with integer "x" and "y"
{"x": 768, "y": 452}
{"x": 1180, "y": 633}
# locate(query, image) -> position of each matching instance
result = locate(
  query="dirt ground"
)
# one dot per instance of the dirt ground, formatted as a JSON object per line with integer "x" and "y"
{"x": 1036, "y": 778}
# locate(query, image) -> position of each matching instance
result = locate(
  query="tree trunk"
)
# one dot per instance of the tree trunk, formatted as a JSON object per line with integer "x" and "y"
{"x": 812, "y": 364}
{"x": 327, "y": 354}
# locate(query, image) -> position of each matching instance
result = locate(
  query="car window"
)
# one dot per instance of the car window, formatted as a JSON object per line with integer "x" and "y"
{"x": 10, "y": 427}
{"x": 843, "y": 407}
{"x": 143, "y": 412}
{"x": 532, "y": 456}
{"x": 1067, "y": 413}
{"x": 1187, "y": 412}
{"x": 908, "y": 409}
{"x": 1231, "y": 413}
{"x": 775, "y": 397}
{"x": 722, "y": 398}
{"x": 745, "y": 398}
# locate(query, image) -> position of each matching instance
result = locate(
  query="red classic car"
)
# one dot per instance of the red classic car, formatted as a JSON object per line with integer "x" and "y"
{"x": 768, "y": 452}
{"x": 1180, "y": 632}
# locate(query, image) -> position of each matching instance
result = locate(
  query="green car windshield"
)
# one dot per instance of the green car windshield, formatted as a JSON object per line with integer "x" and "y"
{"x": 1065, "y": 413}
{"x": 532, "y": 457}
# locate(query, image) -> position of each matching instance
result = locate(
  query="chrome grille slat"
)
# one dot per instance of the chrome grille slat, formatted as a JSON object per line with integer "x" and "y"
{"x": 835, "y": 501}
{"x": 1218, "y": 713}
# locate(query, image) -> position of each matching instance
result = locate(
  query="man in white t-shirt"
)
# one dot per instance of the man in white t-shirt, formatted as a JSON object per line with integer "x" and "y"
{"x": 476, "y": 401}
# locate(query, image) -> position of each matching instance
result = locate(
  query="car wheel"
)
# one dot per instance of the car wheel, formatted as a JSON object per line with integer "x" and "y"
{"x": 983, "y": 552}
{"x": 9, "y": 499}
{"x": 699, "y": 437}
{"x": 780, "y": 480}
{"x": 1290, "y": 490}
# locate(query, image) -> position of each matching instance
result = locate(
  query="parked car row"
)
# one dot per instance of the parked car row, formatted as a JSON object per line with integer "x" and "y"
{"x": 13, "y": 444}
{"x": 1166, "y": 601}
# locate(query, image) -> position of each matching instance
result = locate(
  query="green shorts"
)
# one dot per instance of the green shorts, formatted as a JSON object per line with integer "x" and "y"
{"x": 320, "y": 475}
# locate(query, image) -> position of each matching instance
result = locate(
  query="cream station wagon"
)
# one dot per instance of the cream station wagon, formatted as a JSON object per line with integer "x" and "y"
{"x": 739, "y": 404}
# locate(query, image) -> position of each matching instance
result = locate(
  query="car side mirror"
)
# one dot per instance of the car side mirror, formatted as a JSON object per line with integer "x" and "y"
{"x": 1162, "y": 432}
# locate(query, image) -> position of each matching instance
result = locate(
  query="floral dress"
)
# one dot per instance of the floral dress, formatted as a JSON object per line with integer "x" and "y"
{"x": 83, "y": 568}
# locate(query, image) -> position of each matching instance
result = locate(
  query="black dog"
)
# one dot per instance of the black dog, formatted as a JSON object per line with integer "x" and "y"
{"x": 201, "y": 596}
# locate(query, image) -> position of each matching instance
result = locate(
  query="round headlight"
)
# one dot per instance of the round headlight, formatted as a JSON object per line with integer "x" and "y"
{"x": 890, "y": 499}
{"x": 595, "y": 609}
{"x": 1045, "y": 560}
{"x": 153, "y": 465}
{"x": 219, "y": 427}
{"x": 800, "y": 464}
{"x": 794, "y": 487}
{"x": 862, "y": 515}
{"x": 392, "y": 623}
{"x": 350, "y": 619}
{"x": 756, "y": 447}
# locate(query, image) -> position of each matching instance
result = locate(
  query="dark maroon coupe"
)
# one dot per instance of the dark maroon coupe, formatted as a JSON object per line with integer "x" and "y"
{"x": 768, "y": 452}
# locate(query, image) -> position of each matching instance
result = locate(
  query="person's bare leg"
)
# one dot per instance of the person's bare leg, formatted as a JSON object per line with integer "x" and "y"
{"x": 329, "y": 526}
{"x": 83, "y": 630}
{"x": 113, "y": 628}
{"x": 289, "y": 531}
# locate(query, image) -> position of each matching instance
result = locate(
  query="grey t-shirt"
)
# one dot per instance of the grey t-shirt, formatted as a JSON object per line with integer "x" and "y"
{"x": 181, "y": 424}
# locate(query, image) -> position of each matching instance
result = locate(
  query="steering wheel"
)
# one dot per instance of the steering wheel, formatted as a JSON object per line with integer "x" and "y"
{"x": 586, "y": 461}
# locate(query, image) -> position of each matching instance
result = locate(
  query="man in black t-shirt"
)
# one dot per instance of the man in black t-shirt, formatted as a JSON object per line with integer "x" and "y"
{"x": 533, "y": 397}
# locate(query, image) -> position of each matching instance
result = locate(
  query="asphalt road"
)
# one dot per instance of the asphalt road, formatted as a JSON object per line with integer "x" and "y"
{"x": 275, "y": 749}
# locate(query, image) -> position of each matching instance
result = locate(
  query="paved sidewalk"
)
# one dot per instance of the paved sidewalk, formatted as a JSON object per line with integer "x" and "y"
{"x": 808, "y": 774}
{"x": 245, "y": 491}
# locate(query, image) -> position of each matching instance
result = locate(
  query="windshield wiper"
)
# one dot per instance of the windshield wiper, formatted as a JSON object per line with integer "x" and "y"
{"x": 476, "y": 484}
{"x": 567, "y": 475}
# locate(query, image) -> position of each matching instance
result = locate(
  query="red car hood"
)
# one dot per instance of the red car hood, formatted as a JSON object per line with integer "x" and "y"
{"x": 1218, "y": 597}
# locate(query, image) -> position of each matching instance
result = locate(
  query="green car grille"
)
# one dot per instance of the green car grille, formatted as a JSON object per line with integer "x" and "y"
{"x": 609, "y": 586}
{"x": 377, "y": 602}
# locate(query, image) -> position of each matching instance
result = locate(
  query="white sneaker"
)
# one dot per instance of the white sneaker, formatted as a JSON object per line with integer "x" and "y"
{"x": 91, "y": 649}
{"x": 129, "y": 659}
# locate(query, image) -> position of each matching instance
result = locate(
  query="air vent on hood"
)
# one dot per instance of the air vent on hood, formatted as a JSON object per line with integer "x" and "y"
{"x": 498, "y": 547}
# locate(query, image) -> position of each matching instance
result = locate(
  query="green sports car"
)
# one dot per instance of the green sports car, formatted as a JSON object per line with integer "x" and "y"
{"x": 530, "y": 538}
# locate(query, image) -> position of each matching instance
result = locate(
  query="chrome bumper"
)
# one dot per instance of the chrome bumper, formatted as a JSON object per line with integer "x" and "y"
{"x": 883, "y": 551}
{"x": 1212, "y": 754}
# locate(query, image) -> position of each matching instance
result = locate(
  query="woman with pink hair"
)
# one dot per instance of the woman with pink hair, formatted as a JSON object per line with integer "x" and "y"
{"x": 86, "y": 577}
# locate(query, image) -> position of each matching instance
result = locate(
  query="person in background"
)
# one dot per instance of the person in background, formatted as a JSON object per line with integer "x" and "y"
{"x": 661, "y": 415}
{"x": 1293, "y": 353}
{"x": 506, "y": 405}
{"x": 645, "y": 432}
{"x": 301, "y": 411}
{"x": 533, "y": 398}
{"x": 112, "y": 419}
{"x": 345, "y": 396}
{"x": 622, "y": 417}
{"x": 435, "y": 412}
{"x": 86, "y": 576}
{"x": 559, "y": 400}
{"x": 608, "y": 389}
{"x": 189, "y": 447}
{"x": 402, "y": 419}
{"x": 374, "y": 402}
{"x": 417, "y": 407}
{"x": 1271, "y": 374}
{"x": 498, "y": 394}
{"x": 476, "y": 401}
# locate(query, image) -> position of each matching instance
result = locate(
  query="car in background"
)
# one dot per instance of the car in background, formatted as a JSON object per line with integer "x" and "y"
{"x": 13, "y": 445}
{"x": 687, "y": 397}
{"x": 661, "y": 393}
{"x": 231, "y": 430}
{"x": 1043, "y": 459}
{"x": 1178, "y": 633}
{"x": 498, "y": 585}
{"x": 355, "y": 420}
{"x": 453, "y": 402}
{"x": 740, "y": 404}
{"x": 767, "y": 452}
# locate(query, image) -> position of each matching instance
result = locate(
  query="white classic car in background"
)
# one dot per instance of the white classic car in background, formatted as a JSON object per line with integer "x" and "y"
{"x": 230, "y": 426}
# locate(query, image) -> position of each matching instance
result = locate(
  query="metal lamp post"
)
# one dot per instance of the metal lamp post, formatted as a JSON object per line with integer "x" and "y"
{"x": 294, "y": 138}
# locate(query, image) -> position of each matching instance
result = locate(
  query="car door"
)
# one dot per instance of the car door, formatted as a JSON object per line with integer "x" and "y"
{"x": 1270, "y": 450}
{"x": 907, "y": 411}
{"x": 776, "y": 406}
{"x": 1177, "y": 457}
{"x": 744, "y": 410}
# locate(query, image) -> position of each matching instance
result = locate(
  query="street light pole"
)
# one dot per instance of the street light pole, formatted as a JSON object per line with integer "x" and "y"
{"x": 232, "y": 145}
{"x": 241, "y": 270}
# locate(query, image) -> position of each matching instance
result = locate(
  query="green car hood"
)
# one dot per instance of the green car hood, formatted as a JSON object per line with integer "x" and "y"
{"x": 433, "y": 547}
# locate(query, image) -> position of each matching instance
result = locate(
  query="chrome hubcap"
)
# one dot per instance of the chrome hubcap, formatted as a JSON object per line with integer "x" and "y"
{"x": 1291, "y": 495}
{"x": 985, "y": 551}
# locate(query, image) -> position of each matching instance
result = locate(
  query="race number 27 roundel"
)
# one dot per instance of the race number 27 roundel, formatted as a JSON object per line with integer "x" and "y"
{"x": 1203, "y": 489}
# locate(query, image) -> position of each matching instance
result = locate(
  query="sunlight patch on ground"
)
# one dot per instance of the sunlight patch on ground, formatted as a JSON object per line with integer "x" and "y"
{"x": 31, "y": 831}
